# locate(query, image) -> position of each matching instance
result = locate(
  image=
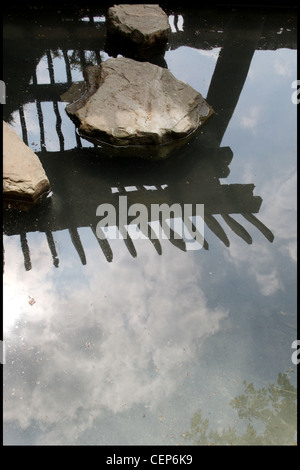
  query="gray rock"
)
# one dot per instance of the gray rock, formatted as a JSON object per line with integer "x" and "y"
{"x": 130, "y": 103}
{"x": 24, "y": 180}
{"x": 142, "y": 24}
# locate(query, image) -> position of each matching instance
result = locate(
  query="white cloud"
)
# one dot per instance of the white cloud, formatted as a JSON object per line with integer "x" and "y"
{"x": 251, "y": 120}
{"x": 269, "y": 282}
{"x": 210, "y": 53}
{"x": 280, "y": 199}
{"x": 284, "y": 67}
{"x": 102, "y": 344}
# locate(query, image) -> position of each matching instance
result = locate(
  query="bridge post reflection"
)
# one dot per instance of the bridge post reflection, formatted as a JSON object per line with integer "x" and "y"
{"x": 191, "y": 177}
{"x": 232, "y": 67}
{"x": 82, "y": 178}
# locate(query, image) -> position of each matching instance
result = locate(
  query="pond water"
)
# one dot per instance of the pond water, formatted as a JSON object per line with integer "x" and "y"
{"x": 142, "y": 342}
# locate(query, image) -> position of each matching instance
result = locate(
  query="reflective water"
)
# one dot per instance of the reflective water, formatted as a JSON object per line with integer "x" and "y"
{"x": 150, "y": 343}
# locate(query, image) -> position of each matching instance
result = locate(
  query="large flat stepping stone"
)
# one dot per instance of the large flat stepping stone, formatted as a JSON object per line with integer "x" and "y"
{"x": 24, "y": 180}
{"x": 131, "y": 103}
{"x": 142, "y": 24}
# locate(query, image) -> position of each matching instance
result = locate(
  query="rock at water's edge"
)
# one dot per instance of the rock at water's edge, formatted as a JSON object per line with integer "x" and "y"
{"x": 137, "y": 103}
{"x": 143, "y": 24}
{"x": 24, "y": 179}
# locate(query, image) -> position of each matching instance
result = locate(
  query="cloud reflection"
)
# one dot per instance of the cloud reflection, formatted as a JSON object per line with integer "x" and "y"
{"x": 259, "y": 265}
{"x": 250, "y": 120}
{"x": 97, "y": 344}
{"x": 280, "y": 195}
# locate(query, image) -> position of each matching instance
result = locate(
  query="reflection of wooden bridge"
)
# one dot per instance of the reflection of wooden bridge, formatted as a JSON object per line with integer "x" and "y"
{"x": 81, "y": 182}
{"x": 78, "y": 39}
{"x": 211, "y": 222}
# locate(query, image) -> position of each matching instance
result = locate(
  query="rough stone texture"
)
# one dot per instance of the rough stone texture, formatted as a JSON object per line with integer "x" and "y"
{"x": 137, "y": 103}
{"x": 24, "y": 179}
{"x": 143, "y": 24}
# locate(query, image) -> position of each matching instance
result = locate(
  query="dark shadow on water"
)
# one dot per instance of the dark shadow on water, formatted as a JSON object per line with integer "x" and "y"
{"x": 83, "y": 178}
{"x": 81, "y": 181}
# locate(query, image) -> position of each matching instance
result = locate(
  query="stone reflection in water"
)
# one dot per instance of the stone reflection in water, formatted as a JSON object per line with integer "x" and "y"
{"x": 270, "y": 414}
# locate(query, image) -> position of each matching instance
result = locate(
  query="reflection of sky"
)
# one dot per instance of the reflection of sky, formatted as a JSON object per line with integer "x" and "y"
{"x": 259, "y": 151}
{"x": 100, "y": 350}
{"x": 51, "y": 143}
{"x": 59, "y": 69}
{"x": 126, "y": 352}
{"x": 138, "y": 337}
{"x": 184, "y": 59}
{"x": 265, "y": 103}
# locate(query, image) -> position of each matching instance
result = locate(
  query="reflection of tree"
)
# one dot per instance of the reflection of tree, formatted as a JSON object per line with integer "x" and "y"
{"x": 271, "y": 408}
{"x": 78, "y": 59}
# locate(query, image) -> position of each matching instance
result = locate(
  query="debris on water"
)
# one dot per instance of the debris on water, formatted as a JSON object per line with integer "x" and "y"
{"x": 31, "y": 300}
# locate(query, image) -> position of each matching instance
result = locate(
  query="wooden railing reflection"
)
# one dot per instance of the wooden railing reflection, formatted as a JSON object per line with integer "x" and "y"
{"x": 84, "y": 182}
{"x": 80, "y": 182}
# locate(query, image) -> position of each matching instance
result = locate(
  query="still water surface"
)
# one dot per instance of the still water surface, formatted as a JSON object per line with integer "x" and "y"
{"x": 140, "y": 343}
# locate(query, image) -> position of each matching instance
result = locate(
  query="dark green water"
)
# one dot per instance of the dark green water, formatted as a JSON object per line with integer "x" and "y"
{"x": 140, "y": 343}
